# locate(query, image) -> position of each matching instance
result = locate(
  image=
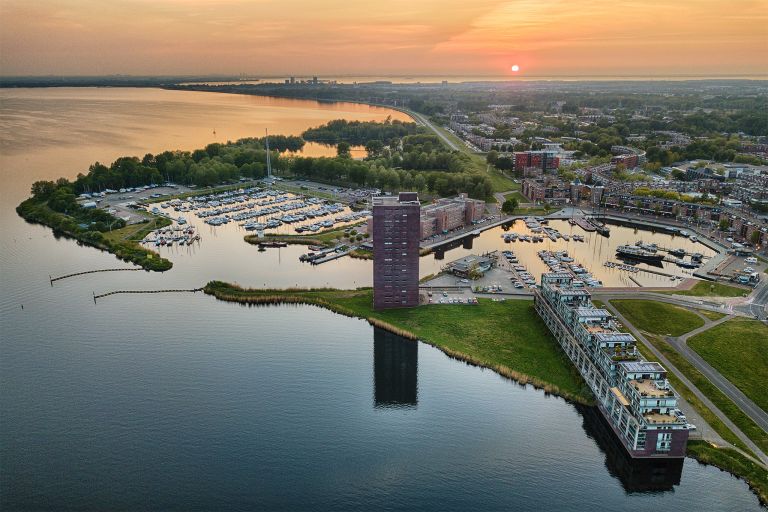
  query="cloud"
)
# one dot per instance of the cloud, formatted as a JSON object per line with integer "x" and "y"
{"x": 415, "y": 37}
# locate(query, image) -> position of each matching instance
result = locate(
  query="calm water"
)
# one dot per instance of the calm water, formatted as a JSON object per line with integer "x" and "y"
{"x": 180, "y": 402}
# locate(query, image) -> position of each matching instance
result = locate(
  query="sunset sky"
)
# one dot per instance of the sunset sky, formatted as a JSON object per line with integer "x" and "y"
{"x": 414, "y": 37}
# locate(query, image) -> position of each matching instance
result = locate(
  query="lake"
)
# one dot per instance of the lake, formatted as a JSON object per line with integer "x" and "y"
{"x": 181, "y": 402}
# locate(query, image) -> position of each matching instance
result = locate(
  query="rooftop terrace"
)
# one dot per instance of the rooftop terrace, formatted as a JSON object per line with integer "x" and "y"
{"x": 648, "y": 388}
{"x": 657, "y": 418}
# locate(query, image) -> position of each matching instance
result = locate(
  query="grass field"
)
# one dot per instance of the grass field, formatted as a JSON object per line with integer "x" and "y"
{"x": 658, "y": 317}
{"x": 517, "y": 195}
{"x": 507, "y": 337}
{"x": 733, "y": 347}
{"x": 712, "y": 315}
{"x": 137, "y": 232}
{"x": 326, "y": 238}
{"x": 712, "y": 289}
{"x": 478, "y": 164}
{"x": 722, "y": 402}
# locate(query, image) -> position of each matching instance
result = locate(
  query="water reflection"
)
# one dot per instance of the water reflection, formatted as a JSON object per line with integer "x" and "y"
{"x": 635, "y": 475}
{"x": 395, "y": 369}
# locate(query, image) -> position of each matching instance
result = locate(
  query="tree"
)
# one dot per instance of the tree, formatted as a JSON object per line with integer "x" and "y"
{"x": 509, "y": 206}
{"x": 343, "y": 149}
{"x": 43, "y": 189}
{"x": 492, "y": 157}
{"x": 724, "y": 224}
{"x": 63, "y": 200}
{"x": 754, "y": 238}
{"x": 374, "y": 148}
{"x": 505, "y": 163}
{"x": 419, "y": 183}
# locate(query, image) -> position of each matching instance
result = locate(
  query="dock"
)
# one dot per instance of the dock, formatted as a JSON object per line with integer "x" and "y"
{"x": 619, "y": 265}
{"x": 584, "y": 224}
{"x": 326, "y": 255}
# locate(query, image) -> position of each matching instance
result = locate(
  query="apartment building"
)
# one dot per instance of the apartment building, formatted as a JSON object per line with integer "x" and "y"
{"x": 634, "y": 395}
{"x": 447, "y": 214}
{"x": 396, "y": 251}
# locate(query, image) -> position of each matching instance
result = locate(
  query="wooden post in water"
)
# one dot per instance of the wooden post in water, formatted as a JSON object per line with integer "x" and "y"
{"x": 50, "y": 279}
{"x": 94, "y": 297}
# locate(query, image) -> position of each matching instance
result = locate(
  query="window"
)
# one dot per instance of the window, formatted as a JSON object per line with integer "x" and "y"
{"x": 664, "y": 442}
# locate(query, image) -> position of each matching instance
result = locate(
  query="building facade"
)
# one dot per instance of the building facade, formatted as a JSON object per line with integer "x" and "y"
{"x": 544, "y": 160}
{"x": 447, "y": 214}
{"x": 396, "y": 251}
{"x": 633, "y": 395}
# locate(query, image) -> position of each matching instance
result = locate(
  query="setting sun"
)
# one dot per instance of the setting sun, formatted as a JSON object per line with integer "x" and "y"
{"x": 515, "y": 68}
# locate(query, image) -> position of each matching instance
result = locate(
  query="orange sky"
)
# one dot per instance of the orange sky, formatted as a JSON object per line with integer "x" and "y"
{"x": 443, "y": 37}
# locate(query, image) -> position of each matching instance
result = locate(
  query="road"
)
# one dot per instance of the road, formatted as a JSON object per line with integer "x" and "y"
{"x": 426, "y": 122}
{"x": 680, "y": 344}
{"x": 756, "y": 305}
{"x": 692, "y": 302}
{"x": 701, "y": 396}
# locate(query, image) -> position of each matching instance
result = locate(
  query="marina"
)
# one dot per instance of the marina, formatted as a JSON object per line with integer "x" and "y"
{"x": 589, "y": 249}
{"x": 263, "y": 210}
{"x": 113, "y": 401}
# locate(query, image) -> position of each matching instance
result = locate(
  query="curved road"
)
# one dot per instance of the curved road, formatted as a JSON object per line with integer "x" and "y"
{"x": 701, "y": 396}
{"x": 750, "y": 408}
{"x": 426, "y": 122}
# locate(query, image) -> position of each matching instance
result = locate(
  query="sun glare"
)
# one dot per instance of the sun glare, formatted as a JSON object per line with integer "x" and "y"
{"x": 515, "y": 68}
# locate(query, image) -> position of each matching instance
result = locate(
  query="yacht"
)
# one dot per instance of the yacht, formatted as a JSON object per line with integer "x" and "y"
{"x": 638, "y": 253}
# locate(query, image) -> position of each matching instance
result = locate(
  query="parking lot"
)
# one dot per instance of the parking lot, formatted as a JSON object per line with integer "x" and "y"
{"x": 120, "y": 204}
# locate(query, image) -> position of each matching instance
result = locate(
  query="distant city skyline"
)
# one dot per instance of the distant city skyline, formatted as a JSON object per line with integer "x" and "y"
{"x": 431, "y": 37}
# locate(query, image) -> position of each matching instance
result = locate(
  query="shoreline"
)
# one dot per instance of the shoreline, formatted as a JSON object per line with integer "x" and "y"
{"x": 127, "y": 250}
{"x": 724, "y": 458}
{"x": 254, "y": 297}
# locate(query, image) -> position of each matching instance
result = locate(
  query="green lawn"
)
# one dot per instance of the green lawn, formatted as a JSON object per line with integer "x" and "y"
{"x": 713, "y": 289}
{"x": 712, "y": 315}
{"x": 137, "y": 232}
{"x": 327, "y": 238}
{"x": 508, "y": 337}
{"x": 658, "y": 317}
{"x": 478, "y": 163}
{"x": 738, "y": 349}
{"x": 722, "y": 402}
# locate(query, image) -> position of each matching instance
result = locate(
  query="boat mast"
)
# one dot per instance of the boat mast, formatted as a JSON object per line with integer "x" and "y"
{"x": 269, "y": 161}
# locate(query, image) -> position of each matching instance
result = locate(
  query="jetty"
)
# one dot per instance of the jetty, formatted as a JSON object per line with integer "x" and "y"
{"x": 52, "y": 279}
{"x": 118, "y": 292}
{"x": 584, "y": 224}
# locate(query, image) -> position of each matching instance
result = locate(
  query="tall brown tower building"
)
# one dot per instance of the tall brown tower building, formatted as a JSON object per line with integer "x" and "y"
{"x": 396, "y": 228}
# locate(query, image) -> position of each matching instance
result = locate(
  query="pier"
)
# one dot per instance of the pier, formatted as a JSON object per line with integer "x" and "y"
{"x": 118, "y": 292}
{"x": 584, "y": 224}
{"x": 52, "y": 279}
{"x": 622, "y": 266}
{"x": 332, "y": 255}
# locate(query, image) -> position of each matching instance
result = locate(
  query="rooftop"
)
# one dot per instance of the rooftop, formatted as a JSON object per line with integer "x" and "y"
{"x": 615, "y": 336}
{"x": 648, "y": 388}
{"x": 592, "y": 313}
{"x": 657, "y": 418}
{"x": 402, "y": 198}
{"x": 643, "y": 367}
